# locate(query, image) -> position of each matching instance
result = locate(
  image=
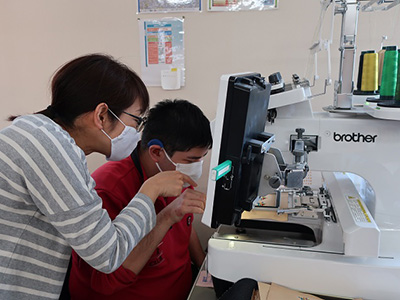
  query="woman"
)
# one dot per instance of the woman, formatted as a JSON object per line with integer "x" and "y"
{"x": 47, "y": 199}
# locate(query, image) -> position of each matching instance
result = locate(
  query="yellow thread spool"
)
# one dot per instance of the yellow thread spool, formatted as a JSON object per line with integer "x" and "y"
{"x": 369, "y": 79}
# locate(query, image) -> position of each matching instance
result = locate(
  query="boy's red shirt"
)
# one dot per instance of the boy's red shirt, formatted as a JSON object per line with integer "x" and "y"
{"x": 167, "y": 275}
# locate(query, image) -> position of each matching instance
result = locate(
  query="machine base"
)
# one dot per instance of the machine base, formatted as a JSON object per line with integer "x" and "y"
{"x": 312, "y": 272}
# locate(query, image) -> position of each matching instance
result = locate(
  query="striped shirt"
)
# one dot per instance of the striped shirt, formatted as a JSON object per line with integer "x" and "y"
{"x": 48, "y": 205}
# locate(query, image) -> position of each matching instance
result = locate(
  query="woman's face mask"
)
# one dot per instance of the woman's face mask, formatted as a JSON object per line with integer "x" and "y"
{"x": 123, "y": 145}
{"x": 193, "y": 170}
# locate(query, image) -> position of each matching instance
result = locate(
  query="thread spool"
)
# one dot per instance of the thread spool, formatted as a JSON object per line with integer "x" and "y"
{"x": 381, "y": 57}
{"x": 367, "y": 82}
{"x": 397, "y": 95}
{"x": 389, "y": 75}
{"x": 369, "y": 79}
{"x": 360, "y": 67}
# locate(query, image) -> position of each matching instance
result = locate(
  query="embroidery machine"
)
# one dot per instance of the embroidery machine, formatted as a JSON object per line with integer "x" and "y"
{"x": 309, "y": 200}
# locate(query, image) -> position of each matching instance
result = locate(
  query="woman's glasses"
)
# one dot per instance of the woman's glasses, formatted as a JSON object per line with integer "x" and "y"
{"x": 141, "y": 121}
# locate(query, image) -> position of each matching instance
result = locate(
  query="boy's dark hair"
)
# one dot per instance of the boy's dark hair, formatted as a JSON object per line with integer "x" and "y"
{"x": 179, "y": 125}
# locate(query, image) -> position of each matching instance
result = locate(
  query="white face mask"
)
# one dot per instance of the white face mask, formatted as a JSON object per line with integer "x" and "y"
{"x": 123, "y": 145}
{"x": 193, "y": 170}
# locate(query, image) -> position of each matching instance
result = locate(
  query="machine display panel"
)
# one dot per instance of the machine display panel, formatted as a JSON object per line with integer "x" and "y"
{"x": 238, "y": 139}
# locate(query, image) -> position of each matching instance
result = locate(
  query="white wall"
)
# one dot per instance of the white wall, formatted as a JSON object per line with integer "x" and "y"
{"x": 37, "y": 36}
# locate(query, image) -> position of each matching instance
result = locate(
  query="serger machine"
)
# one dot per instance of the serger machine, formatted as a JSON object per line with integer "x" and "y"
{"x": 309, "y": 200}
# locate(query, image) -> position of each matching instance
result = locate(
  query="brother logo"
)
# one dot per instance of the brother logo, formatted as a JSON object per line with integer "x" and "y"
{"x": 354, "y": 137}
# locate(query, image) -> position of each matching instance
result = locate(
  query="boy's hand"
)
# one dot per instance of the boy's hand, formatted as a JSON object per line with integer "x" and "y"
{"x": 190, "y": 201}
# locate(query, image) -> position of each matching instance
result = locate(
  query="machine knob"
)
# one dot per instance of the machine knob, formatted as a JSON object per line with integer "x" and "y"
{"x": 296, "y": 79}
{"x": 275, "y": 78}
{"x": 274, "y": 182}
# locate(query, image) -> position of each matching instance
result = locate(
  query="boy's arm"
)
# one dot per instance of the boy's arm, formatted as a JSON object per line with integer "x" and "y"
{"x": 197, "y": 254}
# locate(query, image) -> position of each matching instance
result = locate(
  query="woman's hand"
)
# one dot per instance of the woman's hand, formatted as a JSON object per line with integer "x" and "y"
{"x": 165, "y": 184}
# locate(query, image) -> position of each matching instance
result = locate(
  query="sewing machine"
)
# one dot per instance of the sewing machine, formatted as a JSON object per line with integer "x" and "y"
{"x": 334, "y": 239}
{"x": 309, "y": 200}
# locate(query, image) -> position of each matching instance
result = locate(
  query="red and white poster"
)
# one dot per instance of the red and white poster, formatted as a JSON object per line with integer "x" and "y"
{"x": 162, "y": 49}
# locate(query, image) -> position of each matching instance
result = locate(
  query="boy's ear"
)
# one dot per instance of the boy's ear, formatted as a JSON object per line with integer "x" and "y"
{"x": 155, "y": 152}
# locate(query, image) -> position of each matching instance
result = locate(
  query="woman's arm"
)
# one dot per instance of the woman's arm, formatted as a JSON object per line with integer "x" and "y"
{"x": 189, "y": 201}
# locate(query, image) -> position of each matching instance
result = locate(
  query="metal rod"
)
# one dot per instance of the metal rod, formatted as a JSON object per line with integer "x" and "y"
{"x": 393, "y": 4}
{"x": 369, "y": 6}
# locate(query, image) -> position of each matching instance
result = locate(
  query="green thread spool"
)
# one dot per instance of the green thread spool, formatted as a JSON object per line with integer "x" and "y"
{"x": 369, "y": 80}
{"x": 389, "y": 75}
{"x": 381, "y": 58}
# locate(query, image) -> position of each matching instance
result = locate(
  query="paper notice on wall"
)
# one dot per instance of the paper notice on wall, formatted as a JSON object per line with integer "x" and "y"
{"x": 162, "y": 6}
{"x": 162, "y": 49}
{"x": 235, "y": 5}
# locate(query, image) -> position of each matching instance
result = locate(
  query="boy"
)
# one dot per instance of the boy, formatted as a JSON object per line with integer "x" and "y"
{"x": 176, "y": 136}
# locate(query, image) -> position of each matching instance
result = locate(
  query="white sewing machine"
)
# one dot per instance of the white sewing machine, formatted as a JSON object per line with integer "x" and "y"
{"x": 307, "y": 200}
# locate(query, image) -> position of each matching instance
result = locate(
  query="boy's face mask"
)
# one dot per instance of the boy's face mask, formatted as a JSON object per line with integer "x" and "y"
{"x": 193, "y": 170}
